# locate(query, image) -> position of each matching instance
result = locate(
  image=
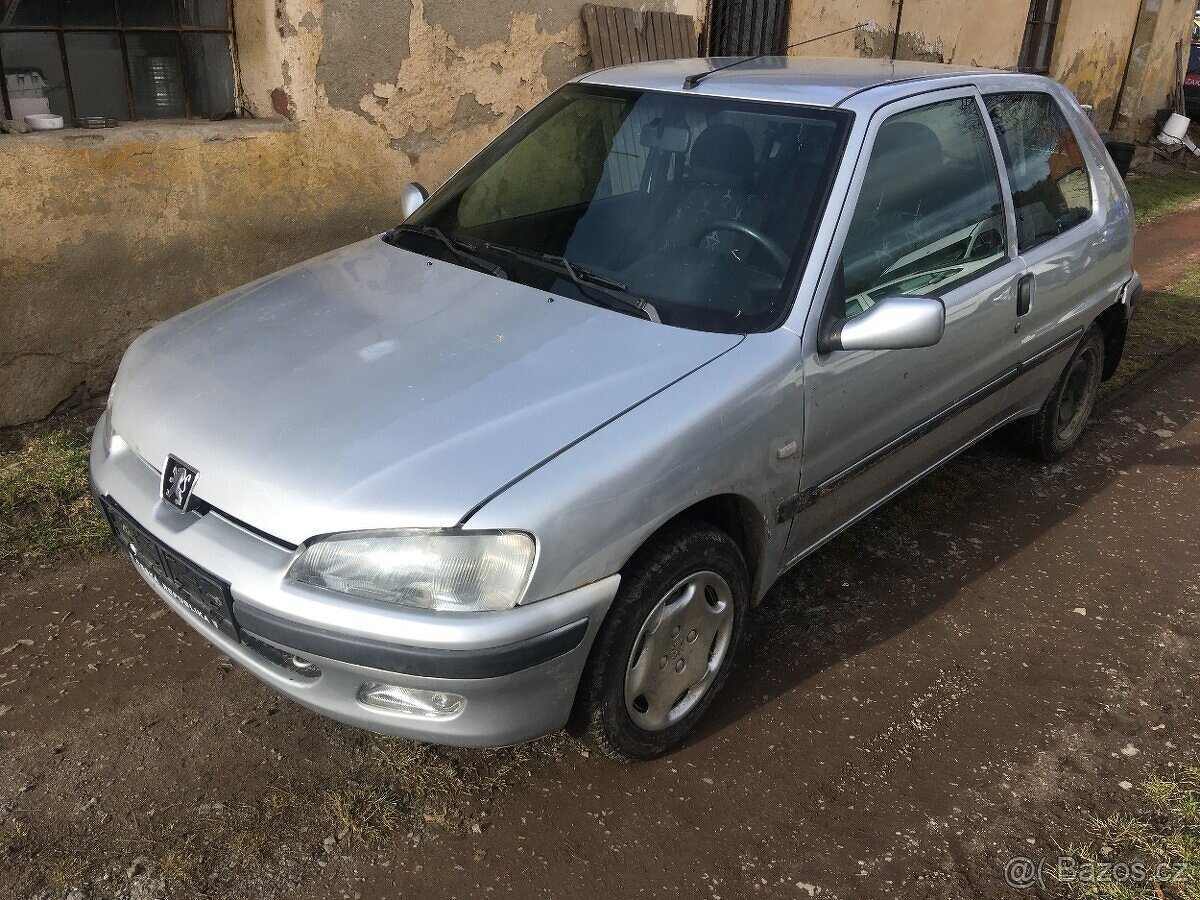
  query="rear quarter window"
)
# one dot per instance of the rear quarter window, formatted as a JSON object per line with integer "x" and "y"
{"x": 1047, "y": 172}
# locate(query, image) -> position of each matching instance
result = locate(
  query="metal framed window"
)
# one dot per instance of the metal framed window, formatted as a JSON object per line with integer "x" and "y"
{"x": 1038, "y": 43}
{"x": 120, "y": 59}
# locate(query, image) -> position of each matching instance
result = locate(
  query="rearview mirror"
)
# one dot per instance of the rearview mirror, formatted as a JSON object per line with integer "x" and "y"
{"x": 412, "y": 195}
{"x": 894, "y": 323}
{"x": 657, "y": 135}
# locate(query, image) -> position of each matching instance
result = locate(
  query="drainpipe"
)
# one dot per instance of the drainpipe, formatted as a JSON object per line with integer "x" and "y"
{"x": 896, "y": 36}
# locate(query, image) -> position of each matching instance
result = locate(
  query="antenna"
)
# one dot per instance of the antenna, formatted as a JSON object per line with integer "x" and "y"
{"x": 692, "y": 80}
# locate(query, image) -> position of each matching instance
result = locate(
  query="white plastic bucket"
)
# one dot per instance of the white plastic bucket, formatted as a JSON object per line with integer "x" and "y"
{"x": 1175, "y": 130}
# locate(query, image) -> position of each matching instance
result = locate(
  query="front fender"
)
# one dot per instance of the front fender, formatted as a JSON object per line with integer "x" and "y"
{"x": 718, "y": 431}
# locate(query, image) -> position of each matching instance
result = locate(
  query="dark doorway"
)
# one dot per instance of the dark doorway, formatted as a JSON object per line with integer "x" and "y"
{"x": 747, "y": 27}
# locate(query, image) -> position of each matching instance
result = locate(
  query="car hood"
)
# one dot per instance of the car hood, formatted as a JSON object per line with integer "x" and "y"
{"x": 373, "y": 388}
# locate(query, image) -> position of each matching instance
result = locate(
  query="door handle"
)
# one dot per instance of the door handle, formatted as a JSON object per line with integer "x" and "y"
{"x": 1025, "y": 294}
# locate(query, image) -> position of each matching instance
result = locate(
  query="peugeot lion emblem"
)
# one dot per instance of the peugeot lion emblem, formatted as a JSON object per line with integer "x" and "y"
{"x": 178, "y": 481}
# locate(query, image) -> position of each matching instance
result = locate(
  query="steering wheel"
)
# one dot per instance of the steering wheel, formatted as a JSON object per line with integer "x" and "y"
{"x": 773, "y": 249}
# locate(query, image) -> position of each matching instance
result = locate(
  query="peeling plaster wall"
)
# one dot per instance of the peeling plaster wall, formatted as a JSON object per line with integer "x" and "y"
{"x": 947, "y": 31}
{"x": 1092, "y": 43}
{"x": 102, "y": 234}
{"x": 1153, "y": 72}
{"x": 1089, "y": 59}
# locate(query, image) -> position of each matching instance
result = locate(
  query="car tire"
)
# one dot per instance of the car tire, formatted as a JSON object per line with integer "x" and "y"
{"x": 1056, "y": 428}
{"x": 674, "y": 628}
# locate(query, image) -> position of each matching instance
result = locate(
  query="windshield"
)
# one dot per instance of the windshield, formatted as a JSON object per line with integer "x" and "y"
{"x": 694, "y": 210}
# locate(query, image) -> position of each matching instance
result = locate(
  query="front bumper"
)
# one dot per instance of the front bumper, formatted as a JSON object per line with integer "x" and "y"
{"x": 518, "y": 669}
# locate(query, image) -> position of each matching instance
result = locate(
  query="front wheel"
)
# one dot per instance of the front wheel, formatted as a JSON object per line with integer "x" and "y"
{"x": 666, "y": 647}
{"x": 1057, "y": 426}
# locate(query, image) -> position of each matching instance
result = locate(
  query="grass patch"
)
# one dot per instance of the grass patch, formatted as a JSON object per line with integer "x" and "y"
{"x": 46, "y": 513}
{"x": 1157, "y": 195}
{"x": 69, "y": 871}
{"x": 1153, "y": 854}
{"x": 1165, "y": 323}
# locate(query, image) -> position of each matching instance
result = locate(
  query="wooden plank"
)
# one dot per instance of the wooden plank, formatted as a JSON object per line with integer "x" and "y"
{"x": 672, "y": 35}
{"x": 592, "y": 28}
{"x": 609, "y": 24}
{"x": 619, "y": 35}
{"x": 637, "y": 22}
{"x": 685, "y": 41}
{"x": 614, "y": 38}
{"x": 623, "y": 36}
{"x": 612, "y": 54}
{"x": 655, "y": 21}
{"x": 629, "y": 32}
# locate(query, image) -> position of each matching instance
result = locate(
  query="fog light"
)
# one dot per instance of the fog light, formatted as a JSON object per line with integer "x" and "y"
{"x": 412, "y": 701}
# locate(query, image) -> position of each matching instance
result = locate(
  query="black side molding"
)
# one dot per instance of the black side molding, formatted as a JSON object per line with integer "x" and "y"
{"x": 487, "y": 662}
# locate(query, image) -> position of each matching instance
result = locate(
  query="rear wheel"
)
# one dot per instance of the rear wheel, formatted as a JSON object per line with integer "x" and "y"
{"x": 1057, "y": 426}
{"x": 666, "y": 647}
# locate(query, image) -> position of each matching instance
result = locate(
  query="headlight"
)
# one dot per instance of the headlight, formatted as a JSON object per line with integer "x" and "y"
{"x": 446, "y": 570}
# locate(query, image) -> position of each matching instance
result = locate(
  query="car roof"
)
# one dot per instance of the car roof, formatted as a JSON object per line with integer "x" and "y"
{"x": 817, "y": 81}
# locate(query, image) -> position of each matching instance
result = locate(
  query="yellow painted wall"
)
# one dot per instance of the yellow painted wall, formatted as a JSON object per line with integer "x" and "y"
{"x": 1092, "y": 43}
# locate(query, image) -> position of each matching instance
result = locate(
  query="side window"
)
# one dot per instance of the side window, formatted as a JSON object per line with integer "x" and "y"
{"x": 1049, "y": 179}
{"x": 929, "y": 212}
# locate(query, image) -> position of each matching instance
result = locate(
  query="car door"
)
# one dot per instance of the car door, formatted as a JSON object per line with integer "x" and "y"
{"x": 1069, "y": 249}
{"x": 926, "y": 215}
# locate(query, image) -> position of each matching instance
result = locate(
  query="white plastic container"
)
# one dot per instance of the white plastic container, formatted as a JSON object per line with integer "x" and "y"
{"x": 1175, "y": 129}
{"x": 44, "y": 122}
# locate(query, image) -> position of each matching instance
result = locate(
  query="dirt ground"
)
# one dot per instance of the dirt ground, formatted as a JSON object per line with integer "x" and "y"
{"x": 953, "y": 683}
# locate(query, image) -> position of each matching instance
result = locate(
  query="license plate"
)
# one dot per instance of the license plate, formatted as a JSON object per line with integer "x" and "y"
{"x": 201, "y": 592}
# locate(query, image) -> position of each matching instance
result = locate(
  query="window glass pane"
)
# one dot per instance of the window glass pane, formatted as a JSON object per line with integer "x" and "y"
{"x": 147, "y": 13}
{"x": 155, "y": 73}
{"x": 204, "y": 13}
{"x": 209, "y": 73}
{"x": 88, "y": 12}
{"x": 929, "y": 211}
{"x": 702, "y": 205}
{"x": 29, "y": 12}
{"x": 1049, "y": 179}
{"x": 34, "y": 74}
{"x": 97, "y": 74}
{"x": 526, "y": 182}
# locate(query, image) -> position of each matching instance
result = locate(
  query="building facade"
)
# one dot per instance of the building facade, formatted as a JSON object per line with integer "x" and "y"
{"x": 333, "y": 106}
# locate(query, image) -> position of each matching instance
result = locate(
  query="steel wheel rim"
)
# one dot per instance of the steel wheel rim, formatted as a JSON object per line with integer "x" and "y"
{"x": 1075, "y": 403}
{"x": 679, "y": 651}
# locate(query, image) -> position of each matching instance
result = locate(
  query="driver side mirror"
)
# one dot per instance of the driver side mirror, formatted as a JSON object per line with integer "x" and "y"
{"x": 894, "y": 323}
{"x": 412, "y": 195}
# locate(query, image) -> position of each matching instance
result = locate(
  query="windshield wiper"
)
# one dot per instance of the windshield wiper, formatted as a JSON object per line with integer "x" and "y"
{"x": 460, "y": 249}
{"x": 614, "y": 295}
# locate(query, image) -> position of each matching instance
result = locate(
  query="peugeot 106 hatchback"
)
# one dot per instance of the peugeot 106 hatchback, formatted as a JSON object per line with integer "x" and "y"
{"x": 533, "y": 455}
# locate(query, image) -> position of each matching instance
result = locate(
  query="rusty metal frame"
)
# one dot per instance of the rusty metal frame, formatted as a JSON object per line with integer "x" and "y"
{"x": 123, "y": 31}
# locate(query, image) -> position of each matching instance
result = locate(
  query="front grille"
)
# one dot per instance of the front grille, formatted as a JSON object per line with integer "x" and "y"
{"x": 200, "y": 591}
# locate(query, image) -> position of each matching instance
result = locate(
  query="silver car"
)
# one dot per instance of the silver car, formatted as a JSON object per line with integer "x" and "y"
{"x": 533, "y": 456}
